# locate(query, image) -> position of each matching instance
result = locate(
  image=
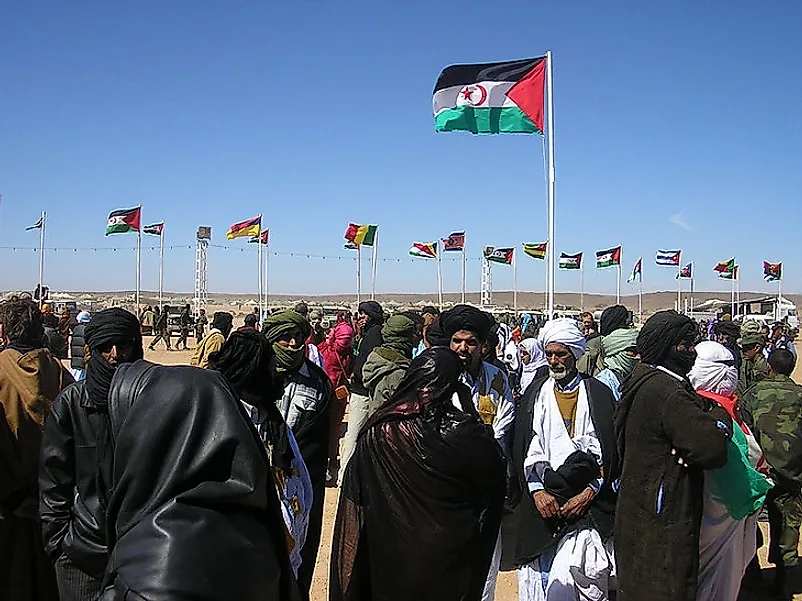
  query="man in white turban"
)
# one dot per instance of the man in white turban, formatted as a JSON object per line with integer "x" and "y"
{"x": 564, "y": 461}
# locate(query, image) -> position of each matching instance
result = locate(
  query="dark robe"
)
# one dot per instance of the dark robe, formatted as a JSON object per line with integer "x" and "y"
{"x": 192, "y": 511}
{"x": 525, "y": 533}
{"x": 419, "y": 510}
{"x": 657, "y": 537}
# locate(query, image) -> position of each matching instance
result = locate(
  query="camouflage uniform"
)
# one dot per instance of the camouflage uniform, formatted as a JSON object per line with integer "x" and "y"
{"x": 755, "y": 369}
{"x": 775, "y": 407}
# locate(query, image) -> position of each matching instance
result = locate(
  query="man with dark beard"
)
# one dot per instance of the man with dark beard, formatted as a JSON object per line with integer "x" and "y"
{"x": 70, "y": 508}
{"x": 422, "y": 496}
{"x": 667, "y": 436}
{"x": 30, "y": 380}
{"x": 305, "y": 407}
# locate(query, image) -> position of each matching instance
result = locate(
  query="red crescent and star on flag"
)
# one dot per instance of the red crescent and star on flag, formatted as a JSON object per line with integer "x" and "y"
{"x": 474, "y": 94}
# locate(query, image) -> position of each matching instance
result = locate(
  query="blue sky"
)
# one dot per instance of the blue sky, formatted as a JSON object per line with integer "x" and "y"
{"x": 677, "y": 126}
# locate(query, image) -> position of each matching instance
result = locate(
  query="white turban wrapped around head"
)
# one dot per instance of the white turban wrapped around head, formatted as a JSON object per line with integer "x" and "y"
{"x": 565, "y": 331}
{"x": 714, "y": 370}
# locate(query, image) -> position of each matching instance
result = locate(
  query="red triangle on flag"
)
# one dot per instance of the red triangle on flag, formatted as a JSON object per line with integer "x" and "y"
{"x": 529, "y": 94}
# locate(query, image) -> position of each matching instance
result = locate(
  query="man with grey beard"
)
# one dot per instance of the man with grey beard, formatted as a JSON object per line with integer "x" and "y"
{"x": 564, "y": 460}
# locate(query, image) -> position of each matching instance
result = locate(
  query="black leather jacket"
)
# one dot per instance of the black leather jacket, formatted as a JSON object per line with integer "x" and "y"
{"x": 72, "y": 522}
{"x": 77, "y": 347}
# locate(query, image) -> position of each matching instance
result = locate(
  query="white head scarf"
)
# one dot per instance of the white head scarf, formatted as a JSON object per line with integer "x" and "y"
{"x": 83, "y": 317}
{"x": 534, "y": 347}
{"x": 565, "y": 331}
{"x": 509, "y": 350}
{"x": 714, "y": 370}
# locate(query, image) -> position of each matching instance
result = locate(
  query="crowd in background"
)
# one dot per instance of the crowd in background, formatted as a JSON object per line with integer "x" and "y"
{"x": 598, "y": 460}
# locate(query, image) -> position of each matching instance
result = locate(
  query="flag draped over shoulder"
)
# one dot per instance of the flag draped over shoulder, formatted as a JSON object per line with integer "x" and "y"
{"x": 245, "y": 229}
{"x": 491, "y": 98}
{"x": 424, "y": 250}
{"x": 124, "y": 220}
{"x": 637, "y": 272}
{"x": 499, "y": 255}
{"x": 154, "y": 229}
{"x": 536, "y": 251}
{"x": 570, "y": 261}
{"x": 772, "y": 271}
{"x": 361, "y": 235}
{"x": 608, "y": 258}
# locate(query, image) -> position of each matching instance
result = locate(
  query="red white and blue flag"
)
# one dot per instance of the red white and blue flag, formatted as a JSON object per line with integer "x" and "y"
{"x": 670, "y": 258}
{"x": 686, "y": 272}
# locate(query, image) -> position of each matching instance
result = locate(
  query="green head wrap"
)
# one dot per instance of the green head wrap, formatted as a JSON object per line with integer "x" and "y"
{"x": 398, "y": 334}
{"x": 613, "y": 347}
{"x": 287, "y": 358}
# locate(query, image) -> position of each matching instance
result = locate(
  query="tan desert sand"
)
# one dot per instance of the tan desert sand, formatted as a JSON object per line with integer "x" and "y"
{"x": 507, "y": 588}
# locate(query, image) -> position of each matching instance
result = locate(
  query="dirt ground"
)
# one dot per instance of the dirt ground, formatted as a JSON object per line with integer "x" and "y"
{"x": 507, "y": 588}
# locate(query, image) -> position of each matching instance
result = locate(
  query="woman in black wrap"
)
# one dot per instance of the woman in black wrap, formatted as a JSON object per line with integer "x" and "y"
{"x": 193, "y": 512}
{"x": 421, "y": 500}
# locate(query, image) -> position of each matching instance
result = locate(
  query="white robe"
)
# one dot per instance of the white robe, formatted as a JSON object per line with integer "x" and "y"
{"x": 580, "y": 566}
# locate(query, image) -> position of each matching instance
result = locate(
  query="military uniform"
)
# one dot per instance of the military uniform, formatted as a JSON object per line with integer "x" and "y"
{"x": 756, "y": 369}
{"x": 774, "y": 406}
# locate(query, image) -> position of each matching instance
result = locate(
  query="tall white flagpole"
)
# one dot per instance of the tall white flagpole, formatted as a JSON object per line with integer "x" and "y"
{"x": 373, "y": 267}
{"x": 679, "y": 285}
{"x": 464, "y": 270}
{"x": 550, "y": 117}
{"x": 618, "y": 285}
{"x": 259, "y": 264}
{"x": 515, "y": 281}
{"x": 439, "y": 281}
{"x": 161, "y": 267}
{"x": 738, "y": 289}
{"x": 42, "y": 259}
{"x": 267, "y": 278}
{"x": 358, "y": 273}
{"x": 138, "y": 267}
{"x": 640, "y": 294}
{"x": 581, "y": 285}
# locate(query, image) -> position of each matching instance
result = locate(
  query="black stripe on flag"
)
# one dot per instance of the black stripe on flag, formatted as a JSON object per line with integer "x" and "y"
{"x": 460, "y": 75}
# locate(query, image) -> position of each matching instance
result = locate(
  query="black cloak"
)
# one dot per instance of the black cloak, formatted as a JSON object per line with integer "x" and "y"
{"x": 421, "y": 501}
{"x": 193, "y": 512}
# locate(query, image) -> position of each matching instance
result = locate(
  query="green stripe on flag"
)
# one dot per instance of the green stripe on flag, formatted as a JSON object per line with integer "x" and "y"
{"x": 496, "y": 120}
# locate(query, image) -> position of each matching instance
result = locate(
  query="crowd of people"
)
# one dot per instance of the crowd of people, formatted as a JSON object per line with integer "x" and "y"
{"x": 598, "y": 461}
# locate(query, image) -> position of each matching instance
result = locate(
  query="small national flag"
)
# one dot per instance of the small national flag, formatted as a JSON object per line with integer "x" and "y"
{"x": 456, "y": 241}
{"x": 363, "y": 235}
{"x": 264, "y": 238}
{"x": 670, "y": 258}
{"x": 725, "y": 266}
{"x": 772, "y": 271}
{"x": 424, "y": 250}
{"x": 570, "y": 261}
{"x": 124, "y": 220}
{"x": 245, "y": 229}
{"x": 637, "y": 272}
{"x": 499, "y": 255}
{"x": 35, "y": 226}
{"x": 536, "y": 251}
{"x": 608, "y": 258}
{"x": 155, "y": 229}
{"x": 686, "y": 272}
{"x": 729, "y": 275}
{"x": 491, "y": 98}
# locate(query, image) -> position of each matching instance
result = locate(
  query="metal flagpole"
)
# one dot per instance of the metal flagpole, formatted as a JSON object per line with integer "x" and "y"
{"x": 42, "y": 259}
{"x": 161, "y": 267}
{"x": 738, "y": 289}
{"x": 679, "y": 285}
{"x": 464, "y": 270}
{"x": 732, "y": 297}
{"x": 138, "y": 267}
{"x": 373, "y": 267}
{"x": 267, "y": 278}
{"x": 259, "y": 264}
{"x": 514, "y": 282}
{"x": 439, "y": 281}
{"x": 581, "y": 285}
{"x": 550, "y": 118}
{"x": 618, "y": 285}
{"x": 358, "y": 273}
{"x": 640, "y": 295}
{"x": 691, "y": 315}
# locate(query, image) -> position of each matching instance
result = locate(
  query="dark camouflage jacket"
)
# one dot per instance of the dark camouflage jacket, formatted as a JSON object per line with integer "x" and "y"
{"x": 752, "y": 371}
{"x": 773, "y": 408}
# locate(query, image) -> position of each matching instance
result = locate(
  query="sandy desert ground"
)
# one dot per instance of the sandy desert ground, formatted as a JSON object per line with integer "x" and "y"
{"x": 507, "y": 589}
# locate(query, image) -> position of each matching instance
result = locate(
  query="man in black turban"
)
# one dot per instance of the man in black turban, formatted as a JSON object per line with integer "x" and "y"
{"x": 667, "y": 436}
{"x": 75, "y": 440}
{"x": 467, "y": 328}
{"x": 727, "y": 333}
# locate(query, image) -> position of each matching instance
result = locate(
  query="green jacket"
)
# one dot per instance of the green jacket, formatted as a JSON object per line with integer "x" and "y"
{"x": 383, "y": 371}
{"x": 592, "y": 362}
{"x": 752, "y": 371}
{"x": 774, "y": 407}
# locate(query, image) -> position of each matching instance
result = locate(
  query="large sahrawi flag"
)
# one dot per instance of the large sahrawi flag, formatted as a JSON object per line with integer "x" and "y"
{"x": 491, "y": 98}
